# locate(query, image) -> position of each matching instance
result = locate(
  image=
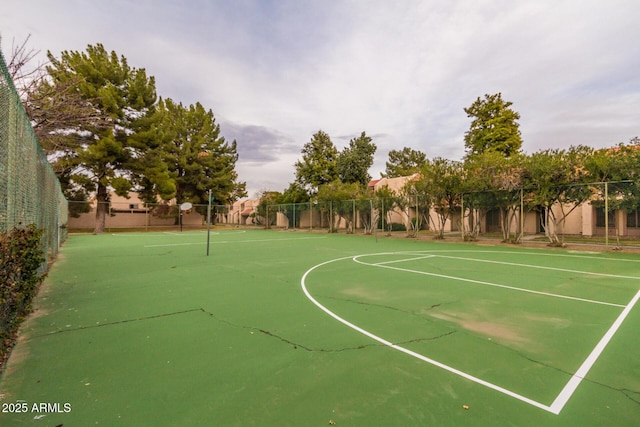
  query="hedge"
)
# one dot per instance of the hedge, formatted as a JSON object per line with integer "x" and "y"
{"x": 21, "y": 257}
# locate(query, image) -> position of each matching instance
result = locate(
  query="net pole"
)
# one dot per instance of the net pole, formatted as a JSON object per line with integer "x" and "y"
{"x": 383, "y": 215}
{"x": 209, "y": 223}
{"x": 462, "y": 216}
{"x": 606, "y": 215}
{"x": 521, "y": 215}
{"x": 353, "y": 222}
{"x": 330, "y": 216}
{"x": 417, "y": 223}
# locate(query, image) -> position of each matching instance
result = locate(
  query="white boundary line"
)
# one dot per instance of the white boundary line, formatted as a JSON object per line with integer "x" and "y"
{"x": 400, "y": 260}
{"x": 575, "y": 380}
{"x": 540, "y": 267}
{"x": 562, "y": 398}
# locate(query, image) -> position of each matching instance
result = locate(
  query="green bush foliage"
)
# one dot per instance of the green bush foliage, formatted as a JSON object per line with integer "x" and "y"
{"x": 21, "y": 257}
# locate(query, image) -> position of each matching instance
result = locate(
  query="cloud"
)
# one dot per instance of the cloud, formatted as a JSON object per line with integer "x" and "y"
{"x": 278, "y": 71}
{"x": 258, "y": 144}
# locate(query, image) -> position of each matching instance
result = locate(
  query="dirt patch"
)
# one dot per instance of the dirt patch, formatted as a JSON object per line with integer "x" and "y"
{"x": 365, "y": 293}
{"x": 18, "y": 354}
{"x": 496, "y": 330}
{"x": 503, "y": 332}
{"x": 552, "y": 322}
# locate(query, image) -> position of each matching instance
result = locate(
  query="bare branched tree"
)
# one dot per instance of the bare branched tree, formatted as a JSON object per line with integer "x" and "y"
{"x": 23, "y": 73}
{"x": 57, "y": 110}
{"x": 59, "y": 114}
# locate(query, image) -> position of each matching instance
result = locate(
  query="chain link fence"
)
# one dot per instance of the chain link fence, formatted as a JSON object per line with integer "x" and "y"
{"x": 606, "y": 211}
{"x": 30, "y": 192}
{"x": 134, "y": 214}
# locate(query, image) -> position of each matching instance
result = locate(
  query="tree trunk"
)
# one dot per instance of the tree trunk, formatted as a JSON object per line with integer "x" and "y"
{"x": 101, "y": 208}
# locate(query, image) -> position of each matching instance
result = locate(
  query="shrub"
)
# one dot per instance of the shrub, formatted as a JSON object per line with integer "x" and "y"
{"x": 397, "y": 226}
{"x": 21, "y": 257}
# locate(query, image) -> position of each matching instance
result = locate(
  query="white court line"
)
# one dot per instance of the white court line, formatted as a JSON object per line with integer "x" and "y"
{"x": 562, "y": 398}
{"x": 581, "y": 373}
{"x": 407, "y": 351}
{"x": 403, "y": 260}
{"x": 553, "y": 255}
{"x": 542, "y": 267}
{"x": 231, "y": 241}
{"x": 480, "y": 282}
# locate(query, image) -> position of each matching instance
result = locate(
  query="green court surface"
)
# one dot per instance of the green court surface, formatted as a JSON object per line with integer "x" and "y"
{"x": 307, "y": 329}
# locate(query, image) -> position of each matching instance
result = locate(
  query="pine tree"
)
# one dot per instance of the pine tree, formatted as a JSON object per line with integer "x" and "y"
{"x": 101, "y": 151}
{"x": 354, "y": 161}
{"x": 197, "y": 157}
{"x": 494, "y": 127}
{"x": 318, "y": 164}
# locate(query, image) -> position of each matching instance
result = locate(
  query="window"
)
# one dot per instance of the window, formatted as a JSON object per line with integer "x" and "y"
{"x": 633, "y": 219}
{"x": 493, "y": 220}
{"x": 600, "y": 218}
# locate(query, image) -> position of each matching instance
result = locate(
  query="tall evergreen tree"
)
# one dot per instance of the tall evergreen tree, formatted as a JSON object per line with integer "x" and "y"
{"x": 404, "y": 162}
{"x": 197, "y": 157}
{"x": 318, "y": 163}
{"x": 354, "y": 161}
{"x": 494, "y": 127}
{"x": 104, "y": 152}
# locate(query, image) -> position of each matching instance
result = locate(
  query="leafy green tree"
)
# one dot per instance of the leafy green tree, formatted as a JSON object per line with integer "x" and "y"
{"x": 441, "y": 182}
{"x": 102, "y": 151}
{"x": 354, "y": 161}
{"x": 294, "y": 194}
{"x": 318, "y": 163}
{"x": 197, "y": 157}
{"x": 620, "y": 168}
{"x": 365, "y": 211}
{"x": 385, "y": 202}
{"x": 492, "y": 181}
{"x": 414, "y": 201}
{"x": 557, "y": 179}
{"x": 292, "y": 203}
{"x": 478, "y": 192}
{"x": 404, "y": 162}
{"x": 340, "y": 198}
{"x": 494, "y": 127}
{"x": 266, "y": 211}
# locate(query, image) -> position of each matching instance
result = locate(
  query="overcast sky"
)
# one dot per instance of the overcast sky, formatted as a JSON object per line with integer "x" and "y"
{"x": 274, "y": 72}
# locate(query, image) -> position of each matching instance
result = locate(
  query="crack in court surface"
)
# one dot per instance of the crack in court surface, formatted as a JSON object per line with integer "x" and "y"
{"x": 576, "y": 378}
{"x": 360, "y": 347}
{"x": 293, "y": 344}
{"x": 454, "y": 330}
{"x": 632, "y": 395}
{"x": 296, "y": 345}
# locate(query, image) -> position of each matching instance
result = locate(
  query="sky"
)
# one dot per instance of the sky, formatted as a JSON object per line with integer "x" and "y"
{"x": 274, "y": 72}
